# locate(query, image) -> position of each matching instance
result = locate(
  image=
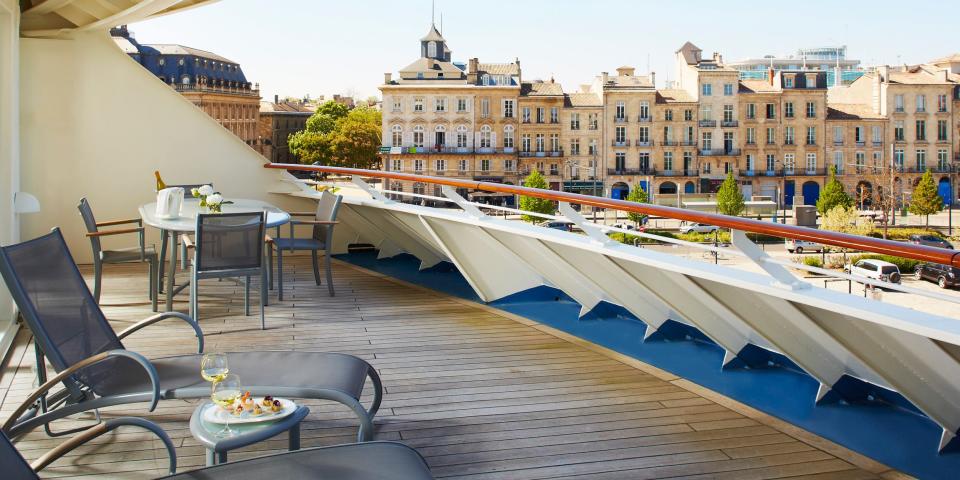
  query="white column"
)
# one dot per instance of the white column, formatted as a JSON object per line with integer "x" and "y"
{"x": 9, "y": 149}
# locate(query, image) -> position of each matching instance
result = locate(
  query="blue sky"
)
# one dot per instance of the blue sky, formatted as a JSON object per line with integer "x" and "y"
{"x": 297, "y": 47}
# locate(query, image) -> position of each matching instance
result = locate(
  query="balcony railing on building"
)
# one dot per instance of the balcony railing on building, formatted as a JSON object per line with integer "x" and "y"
{"x": 207, "y": 88}
{"x": 632, "y": 171}
{"x": 707, "y": 123}
{"x": 620, "y": 143}
{"x": 678, "y": 173}
{"x": 719, "y": 152}
{"x": 542, "y": 153}
{"x": 644, "y": 143}
{"x": 729, "y": 124}
{"x": 620, "y": 119}
{"x": 643, "y": 119}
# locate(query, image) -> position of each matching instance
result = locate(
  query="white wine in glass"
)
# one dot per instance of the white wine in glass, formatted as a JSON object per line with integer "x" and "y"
{"x": 225, "y": 393}
{"x": 214, "y": 367}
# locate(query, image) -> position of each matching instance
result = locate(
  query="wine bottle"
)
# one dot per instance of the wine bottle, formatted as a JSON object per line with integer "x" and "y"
{"x": 160, "y": 184}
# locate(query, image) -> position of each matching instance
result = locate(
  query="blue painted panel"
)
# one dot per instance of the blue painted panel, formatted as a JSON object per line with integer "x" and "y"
{"x": 811, "y": 192}
{"x": 788, "y": 192}
{"x": 944, "y": 190}
{"x": 870, "y": 420}
{"x": 689, "y": 187}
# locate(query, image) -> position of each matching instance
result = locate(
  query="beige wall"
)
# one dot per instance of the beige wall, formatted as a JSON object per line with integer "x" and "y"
{"x": 9, "y": 151}
{"x": 96, "y": 124}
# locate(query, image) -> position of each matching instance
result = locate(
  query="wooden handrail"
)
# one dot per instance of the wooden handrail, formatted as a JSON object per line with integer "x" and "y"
{"x": 826, "y": 237}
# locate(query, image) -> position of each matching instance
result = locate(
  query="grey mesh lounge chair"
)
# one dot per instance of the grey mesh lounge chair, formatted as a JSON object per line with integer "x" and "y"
{"x": 324, "y": 219}
{"x": 142, "y": 253}
{"x": 71, "y": 331}
{"x": 228, "y": 245}
{"x": 358, "y": 461}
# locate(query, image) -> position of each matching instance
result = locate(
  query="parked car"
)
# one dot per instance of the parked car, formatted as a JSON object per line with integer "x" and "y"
{"x": 625, "y": 226}
{"x": 875, "y": 269}
{"x": 930, "y": 241}
{"x": 942, "y": 275}
{"x": 800, "y": 246}
{"x": 558, "y": 225}
{"x": 698, "y": 227}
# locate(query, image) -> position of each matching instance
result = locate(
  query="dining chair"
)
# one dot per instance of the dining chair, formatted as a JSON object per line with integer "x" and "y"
{"x": 323, "y": 222}
{"x": 139, "y": 254}
{"x": 187, "y": 196}
{"x": 228, "y": 245}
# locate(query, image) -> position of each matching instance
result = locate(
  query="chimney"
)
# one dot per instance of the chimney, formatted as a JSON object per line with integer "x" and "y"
{"x": 473, "y": 67}
{"x": 604, "y": 77}
{"x": 276, "y": 99}
{"x": 770, "y": 74}
{"x": 387, "y": 78}
{"x": 625, "y": 71}
{"x": 653, "y": 79}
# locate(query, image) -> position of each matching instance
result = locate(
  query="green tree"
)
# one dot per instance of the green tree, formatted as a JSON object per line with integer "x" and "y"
{"x": 833, "y": 195}
{"x": 729, "y": 198}
{"x": 640, "y": 196}
{"x": 534, "y": 204}
{"x": 925, "y": 199}
{"x": 339, "y": 137}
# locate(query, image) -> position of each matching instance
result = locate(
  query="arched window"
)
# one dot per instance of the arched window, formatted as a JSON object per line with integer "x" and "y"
{"x": 485, "y": 134}
{"x": 397, "y": 133}
{"x": 432, "y": 49}
{"x": 461, "y": 136}
{"x": 185, "y": 80}
{"x": 441, "y": 128}
{"x": 418, "y": 136}
{"x": 508, "y": 136}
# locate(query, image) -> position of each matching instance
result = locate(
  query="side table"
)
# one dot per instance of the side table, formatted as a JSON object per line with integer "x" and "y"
{"x": 245, "y": 434}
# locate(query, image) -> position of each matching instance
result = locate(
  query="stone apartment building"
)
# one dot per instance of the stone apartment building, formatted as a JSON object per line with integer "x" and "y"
{"x": 778, "y": 135}
{"x": 278, "y": 120}
{"x": 446, "y": 119}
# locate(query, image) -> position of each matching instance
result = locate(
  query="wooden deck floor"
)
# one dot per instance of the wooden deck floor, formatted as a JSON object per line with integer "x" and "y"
{"x": 480, "y": 393}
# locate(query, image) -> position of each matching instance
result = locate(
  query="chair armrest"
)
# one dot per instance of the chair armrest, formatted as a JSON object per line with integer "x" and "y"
{"x": 188, "y": 242}
{"x": 267, "y": 238}
{"x": 302, "y": 214}
{"x": 104, "y": 233}
{"x": 52, "y": 382}
{"x": 98, "y": 430}
{"x": 111, "y": 223}
{"x": 163, "y": 316}
{"x": 314, "y": 222}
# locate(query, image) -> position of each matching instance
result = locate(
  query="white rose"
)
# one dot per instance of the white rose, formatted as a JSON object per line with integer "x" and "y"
{"x": 214, "y": 199}
{"x": 205, "y": 190}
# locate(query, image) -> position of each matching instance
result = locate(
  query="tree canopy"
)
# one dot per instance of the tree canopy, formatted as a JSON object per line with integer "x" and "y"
{"x": 925, "y": 199}
{"x": 729, "y": 199}
{"x": 338, "y": 136}
{"x": 833, "y": 195}
{"x": 534, "y": 204}
{"x": 640, "y": 196}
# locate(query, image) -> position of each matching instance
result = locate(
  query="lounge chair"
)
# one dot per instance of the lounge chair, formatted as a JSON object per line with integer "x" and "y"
{"x": 71, "y": 331}
{"x": 357, "y": 461}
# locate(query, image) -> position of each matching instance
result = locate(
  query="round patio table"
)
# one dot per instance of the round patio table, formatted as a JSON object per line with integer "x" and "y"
{"x": 245, "y": 434}
{"x": 187, "y": 223}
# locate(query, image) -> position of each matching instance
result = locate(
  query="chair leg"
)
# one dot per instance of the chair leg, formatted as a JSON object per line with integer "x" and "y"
{"x": 194, "y": 303}
{"x": 270, "y": 265}
{"x": 263, "y": 299}
{"x": 329, "y": 269}
{"x": 280, "y": 274}
{"x": 97, "y": 278}
{"x": 154, "y": 281}
{"x": 162, "y": 257}
{"x": 316, "y": 268}
{"x": 246, "y": 296}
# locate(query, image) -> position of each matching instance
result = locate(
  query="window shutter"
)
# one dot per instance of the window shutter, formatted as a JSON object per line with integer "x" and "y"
{"x": 493, "y": 139}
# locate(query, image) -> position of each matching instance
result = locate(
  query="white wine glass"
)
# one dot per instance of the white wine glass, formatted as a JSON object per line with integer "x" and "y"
{"x": 214, "y": 366}
{"x": 225, "y": 393}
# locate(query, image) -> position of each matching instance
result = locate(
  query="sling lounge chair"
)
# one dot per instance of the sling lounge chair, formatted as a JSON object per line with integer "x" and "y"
{"x": 71, "y": 331}
{"x": 357, "y": 461}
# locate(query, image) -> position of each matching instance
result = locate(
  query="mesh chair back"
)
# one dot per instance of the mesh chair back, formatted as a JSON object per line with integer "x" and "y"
{"x": 90, "y": 222}
{"x": 57, "y": 305}
{"x": 327, "y": 209}
{"x": 14, "y": 465}
{"x": 229, "y": 241}
{"x": 187, "y": 189}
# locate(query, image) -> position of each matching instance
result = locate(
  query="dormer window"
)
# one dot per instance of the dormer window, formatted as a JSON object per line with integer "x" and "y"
{"x": 185, "y": 80}
{"x": 161, "y": 62}
{"x": 788, "y": 81}
{"x": 812, "y": 80}
{"x": 180, "y": 62}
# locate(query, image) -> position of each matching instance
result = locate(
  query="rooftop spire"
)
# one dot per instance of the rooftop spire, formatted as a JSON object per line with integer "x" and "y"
{"x": 433, "y": 12}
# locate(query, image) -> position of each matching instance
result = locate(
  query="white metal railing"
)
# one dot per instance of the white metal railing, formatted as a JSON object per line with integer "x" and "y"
{"x": 713, "y": 250}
